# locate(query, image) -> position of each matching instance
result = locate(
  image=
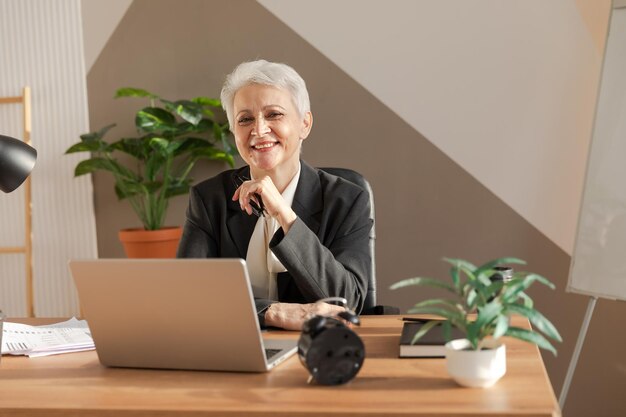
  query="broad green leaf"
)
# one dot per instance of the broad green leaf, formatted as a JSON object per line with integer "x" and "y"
{"x": 214, "y": 154}
{"x": 154, "y": 164}
{"x": 125, "y": 189}
{"x": 132, "y": 146}
{"x": 187, "y": 110}
{"x": 160, "y": 145}
{"x": 134, "y": 92}
{"x": 178, "y": 189}
{"x": 430, "y": 282}
{"x": 90, "y": 165}
{"x": 205, "y": 125}
{"x": 532, "y": 337}
{"x": 206, "y": 101}
{"x": 155, "y": 119}
{"x": 189, "y": 144}
{"x": 97, "y": 135}
{"x": 218, "y": 133}
{"x": 92, "y": 146}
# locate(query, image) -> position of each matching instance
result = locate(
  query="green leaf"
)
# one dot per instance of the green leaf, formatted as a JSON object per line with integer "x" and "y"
{"x": 135, "y": 147}
{"x": 90, "y": 165}
{"x": 456, "y": 317}
{"x": 205, "y": 125}
{"x": 514, "y": 287}
{"x": 499, "y": 262}
{"x": 527, "y": 301}
{"x": 206, "y": 101}
{"x": 424, "y": 329}
{"x": 461, "y": 264}
{"x": 92, "y": 146}
{"x": 438, "y": 301}
{"x": 187, "y": 110}
{"x": 134, "y": 92}
{"x": 430, "y": 282}
{"x": 537, "y": 319}
{"x": 472, "y": 299}
{"x": 97, "y": 135}
{"x": 125, "y": 189}
{"x": 189, "y": 144}
{"x": 160, "y": 145}
{"x": 486, "y": 315}
{"x": 531, "y": 337}
{"x": 178, "y": 189}
{"x": 502, "y": 325}
{"x": 214, "y": 154}
{"x": 155, "y": 119}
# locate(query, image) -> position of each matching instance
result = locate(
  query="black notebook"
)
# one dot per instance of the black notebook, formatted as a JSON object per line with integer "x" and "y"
{"x": 429, "y": 346}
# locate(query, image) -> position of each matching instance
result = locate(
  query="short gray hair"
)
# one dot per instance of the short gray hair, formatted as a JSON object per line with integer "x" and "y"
{"x": 268, "y": 73}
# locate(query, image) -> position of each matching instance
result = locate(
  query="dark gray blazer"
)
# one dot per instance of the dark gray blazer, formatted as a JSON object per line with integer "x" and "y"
{"x": 326, "y": 252}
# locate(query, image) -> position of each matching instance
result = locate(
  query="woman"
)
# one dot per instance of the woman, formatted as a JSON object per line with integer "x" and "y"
{"x": 304, "y": 233}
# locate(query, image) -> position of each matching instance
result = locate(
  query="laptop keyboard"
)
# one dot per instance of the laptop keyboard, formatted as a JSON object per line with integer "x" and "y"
{"x": 269, "y": 353}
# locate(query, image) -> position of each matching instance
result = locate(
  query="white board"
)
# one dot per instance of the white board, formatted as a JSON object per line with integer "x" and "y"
{"x": 599, "y": 259}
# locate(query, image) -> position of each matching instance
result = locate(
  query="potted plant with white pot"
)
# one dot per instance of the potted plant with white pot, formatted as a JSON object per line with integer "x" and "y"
{"x": 481, "y": 309}
{"x": 173, "y": 136}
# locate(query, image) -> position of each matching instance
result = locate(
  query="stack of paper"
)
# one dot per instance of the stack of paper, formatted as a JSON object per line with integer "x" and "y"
{"x": 68, "y": 336}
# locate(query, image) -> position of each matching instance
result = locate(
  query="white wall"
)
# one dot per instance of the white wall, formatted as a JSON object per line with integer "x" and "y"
{"x": 41, "y": 46}
{"x": 505, "y": 88}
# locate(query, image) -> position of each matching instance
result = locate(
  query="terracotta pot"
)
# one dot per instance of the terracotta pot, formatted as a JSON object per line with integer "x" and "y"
{"x": 141, "y": 243}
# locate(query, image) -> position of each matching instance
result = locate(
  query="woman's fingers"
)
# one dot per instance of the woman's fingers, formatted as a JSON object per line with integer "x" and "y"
{"x": 256, "y": 191}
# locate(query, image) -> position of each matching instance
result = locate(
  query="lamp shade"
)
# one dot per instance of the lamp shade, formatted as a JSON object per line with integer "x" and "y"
{"x": 17, "y": 160}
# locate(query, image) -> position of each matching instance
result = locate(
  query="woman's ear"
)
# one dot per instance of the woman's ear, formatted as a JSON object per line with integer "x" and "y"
{"x": 307, "y": 123}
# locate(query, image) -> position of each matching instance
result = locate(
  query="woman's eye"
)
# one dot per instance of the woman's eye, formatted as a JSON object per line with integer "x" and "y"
{"x": 244, "y": 120}
{"x": 274, "y": 115}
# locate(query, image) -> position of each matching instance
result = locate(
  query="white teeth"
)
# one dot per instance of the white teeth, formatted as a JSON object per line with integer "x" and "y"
{"x": 265, "y": 145}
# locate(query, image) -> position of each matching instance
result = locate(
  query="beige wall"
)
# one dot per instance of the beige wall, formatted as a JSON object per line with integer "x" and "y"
{"x": 100, "y": 18}
{"x": 488, "y": 84}
{"x": 428, "y": 205}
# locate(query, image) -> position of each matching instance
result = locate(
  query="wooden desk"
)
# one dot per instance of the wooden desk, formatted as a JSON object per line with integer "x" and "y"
{"x": 77, "y": 385}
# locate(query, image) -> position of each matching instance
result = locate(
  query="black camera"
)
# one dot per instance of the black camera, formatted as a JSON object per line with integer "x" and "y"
{"x": 331, "y": 351}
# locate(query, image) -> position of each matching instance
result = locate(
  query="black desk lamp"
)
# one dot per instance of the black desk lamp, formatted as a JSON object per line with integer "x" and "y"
{"x": 17, "y": 160}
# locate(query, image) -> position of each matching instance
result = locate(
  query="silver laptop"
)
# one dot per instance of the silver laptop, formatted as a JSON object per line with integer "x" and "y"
{"x": 195, "y": 314}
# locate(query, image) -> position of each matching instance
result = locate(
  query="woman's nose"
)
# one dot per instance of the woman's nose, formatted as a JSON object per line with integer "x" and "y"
{"x": 260, "y": 127}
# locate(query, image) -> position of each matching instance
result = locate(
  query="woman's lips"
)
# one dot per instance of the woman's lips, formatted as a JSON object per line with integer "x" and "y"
{"x": 265, "y": 146}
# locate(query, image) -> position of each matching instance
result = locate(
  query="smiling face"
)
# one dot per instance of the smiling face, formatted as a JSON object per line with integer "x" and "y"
{"x": 269, "y": 131}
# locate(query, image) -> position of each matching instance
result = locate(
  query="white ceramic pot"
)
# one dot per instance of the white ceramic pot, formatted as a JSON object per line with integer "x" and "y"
{"x": 475, "y": 368}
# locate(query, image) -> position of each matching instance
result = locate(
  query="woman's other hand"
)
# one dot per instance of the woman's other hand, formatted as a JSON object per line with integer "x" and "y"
{"x": 291, "y": 316}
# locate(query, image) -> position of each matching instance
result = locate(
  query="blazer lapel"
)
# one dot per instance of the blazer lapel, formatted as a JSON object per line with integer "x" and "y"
{"x": 239, "y": 224}
{"x": 307, "y": 202}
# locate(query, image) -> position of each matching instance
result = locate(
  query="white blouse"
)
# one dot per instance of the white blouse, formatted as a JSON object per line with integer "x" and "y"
{"x": 262, "y": 263}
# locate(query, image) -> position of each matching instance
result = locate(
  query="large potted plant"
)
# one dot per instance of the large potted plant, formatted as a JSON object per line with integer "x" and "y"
{"x": 481, "y": 309}
{"x": 172, "y": 137}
